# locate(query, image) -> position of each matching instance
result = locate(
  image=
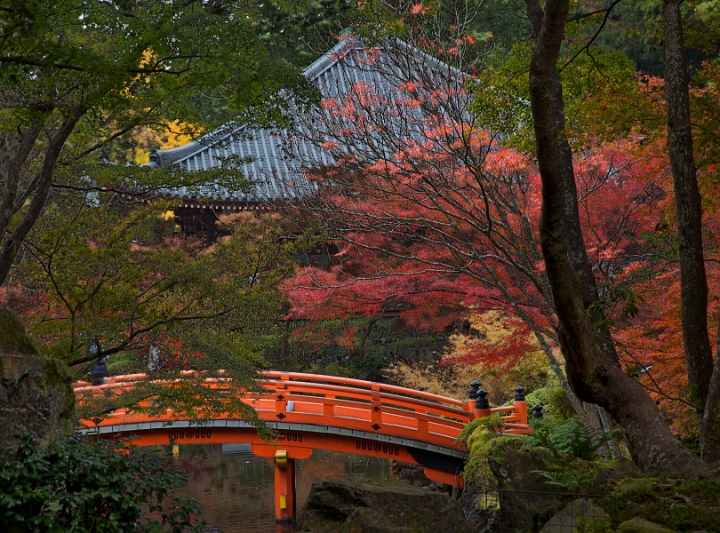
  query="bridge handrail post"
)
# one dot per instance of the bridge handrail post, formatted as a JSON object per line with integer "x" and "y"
{"x": 280, "y": 396}
{"x": 482, "y": 405}
{"x": 376, "y": 407}
{"x": 472, "y": 396}
{"x": 521, "y": 405}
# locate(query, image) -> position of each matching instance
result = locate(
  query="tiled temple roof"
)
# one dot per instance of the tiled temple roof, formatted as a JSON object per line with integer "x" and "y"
{"x": 274, "y": 168}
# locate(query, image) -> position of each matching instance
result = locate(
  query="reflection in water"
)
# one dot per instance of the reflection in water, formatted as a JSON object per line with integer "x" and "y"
{"x": 236, "y": 487}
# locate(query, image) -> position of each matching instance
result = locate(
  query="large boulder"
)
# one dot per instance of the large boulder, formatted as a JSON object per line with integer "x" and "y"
{"x": 335, "y": 507}
{"x": 528, "y": 500}
{"x": 525, "y": 498}
{"x": 13, "y": 338}
{"x": 36, "y": 393}
{"x": 366, "y": 520}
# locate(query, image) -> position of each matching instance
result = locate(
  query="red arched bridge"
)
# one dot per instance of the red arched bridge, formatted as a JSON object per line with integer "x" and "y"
{"x": 309, "y": 411}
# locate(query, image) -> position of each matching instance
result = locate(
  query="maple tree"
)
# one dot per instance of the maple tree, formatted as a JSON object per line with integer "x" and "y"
{"x": 438, "y": 218}
{"x": 439, "y": 200}
{"x": 593, "y": 366}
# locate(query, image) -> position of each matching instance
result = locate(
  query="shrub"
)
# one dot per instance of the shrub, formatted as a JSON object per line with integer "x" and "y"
{"x": 561, "y": 436}
{"x": 83, "y": 487}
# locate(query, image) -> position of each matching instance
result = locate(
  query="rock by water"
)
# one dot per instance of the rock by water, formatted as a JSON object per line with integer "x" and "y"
{"x": 340, "y": 507}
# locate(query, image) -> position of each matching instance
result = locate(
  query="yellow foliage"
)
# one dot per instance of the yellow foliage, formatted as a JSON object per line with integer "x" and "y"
{"x": 488, "y": 330}
{"x": 451, "y": 381}
{"x": 173, "y": 135}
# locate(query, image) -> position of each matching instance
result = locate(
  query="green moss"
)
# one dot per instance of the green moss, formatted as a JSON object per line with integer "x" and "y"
{"x": 594, "y": 526}
{"x": 494, "y": 422}
{"x": 479, "y": 438}
{"x": 704, "y": 488}
{"x": 57, "y": 376}
{"x": 697, "y": 510}
{"x": 636, "y": 488}
{"x": 337, "y": 370}
{"x": 13, "y": 338}
{"x": 481, "y": 443}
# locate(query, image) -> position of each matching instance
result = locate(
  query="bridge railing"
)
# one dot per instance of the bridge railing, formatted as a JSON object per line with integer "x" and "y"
{"x": 293, "y": 397}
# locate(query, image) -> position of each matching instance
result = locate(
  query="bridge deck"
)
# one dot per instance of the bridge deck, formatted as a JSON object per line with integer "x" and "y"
{"x": 310, "y": 411}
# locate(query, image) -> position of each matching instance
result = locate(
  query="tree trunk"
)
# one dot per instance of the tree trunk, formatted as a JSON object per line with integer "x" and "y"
{"x": 607, "y": 429}
{"x": 710, "y": 426}
{"x": 42, "y": 183}
{"x": 577, "y": 252}
{"x": 594, "y": 375}
{"x": 688, "y": 205}
{"x": 285, "y": 343}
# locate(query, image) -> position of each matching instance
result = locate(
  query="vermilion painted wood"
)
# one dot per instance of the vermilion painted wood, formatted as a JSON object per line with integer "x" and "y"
{"x": 298, "y": 398}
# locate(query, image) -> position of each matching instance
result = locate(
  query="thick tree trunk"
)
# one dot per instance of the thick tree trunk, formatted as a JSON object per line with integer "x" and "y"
{"x": 710, "y": 424}
{"x": 688, "y": 205}
{"x": 594, "y": 375}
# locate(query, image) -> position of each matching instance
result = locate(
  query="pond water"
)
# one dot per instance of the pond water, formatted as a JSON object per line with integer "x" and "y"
{"x": 236, "y": 487}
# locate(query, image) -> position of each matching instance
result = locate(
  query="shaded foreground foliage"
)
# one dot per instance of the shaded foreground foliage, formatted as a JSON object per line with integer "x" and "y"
{"x": 85, "y": 487}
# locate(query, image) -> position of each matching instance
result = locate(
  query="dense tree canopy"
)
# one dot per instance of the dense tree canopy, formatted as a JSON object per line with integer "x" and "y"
{"x": 542, "y": 169}
{"x": 81, "y": 258}
{"x": 443, "y": 211}
{"x": 77, "y": 75}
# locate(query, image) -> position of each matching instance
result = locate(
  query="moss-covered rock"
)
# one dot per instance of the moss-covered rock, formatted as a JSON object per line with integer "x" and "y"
{"x": 36, "y": 394}
{"x": 640, "y": 525}
{"x": 578, "y": 513}
{"x": 481, "y": 443}
{"x": 13, "y": 338}
{"x": 676, "y": 504}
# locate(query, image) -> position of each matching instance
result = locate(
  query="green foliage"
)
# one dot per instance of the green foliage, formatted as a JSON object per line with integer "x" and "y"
{"x": 567, "y": 437}
{"x": 77, "y": 78}
{"x": 107, "y": 275}
{"x": 705, "y": 488}
{"x": 569, "y": 480}
{"x": 337, "y": 370}
{"x": 365, "y": 345}
{"x": 597, "y": 91}
{"x": 367, "y": 366}
{"x": 553, "y": 399}
{"x": 83, "y": 487}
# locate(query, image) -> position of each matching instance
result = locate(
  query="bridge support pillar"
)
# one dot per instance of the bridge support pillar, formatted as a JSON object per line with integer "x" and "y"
{"x": 285, "y": 501}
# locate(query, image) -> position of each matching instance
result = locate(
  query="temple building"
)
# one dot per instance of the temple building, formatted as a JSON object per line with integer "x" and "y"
{"x": 273, "y": 168}
{"x": 272, "y": 160}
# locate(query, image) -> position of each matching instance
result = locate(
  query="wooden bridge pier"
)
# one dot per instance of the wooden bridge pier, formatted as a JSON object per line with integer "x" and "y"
{"x": 285, "y": 499}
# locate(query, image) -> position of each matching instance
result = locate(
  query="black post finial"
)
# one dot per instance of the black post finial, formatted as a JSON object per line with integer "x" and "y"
{"x": 519, "y": 394}
{"x": 537, "y": 411}
{"x": 482, "y": 403}
{"x": 474, "y": 386}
